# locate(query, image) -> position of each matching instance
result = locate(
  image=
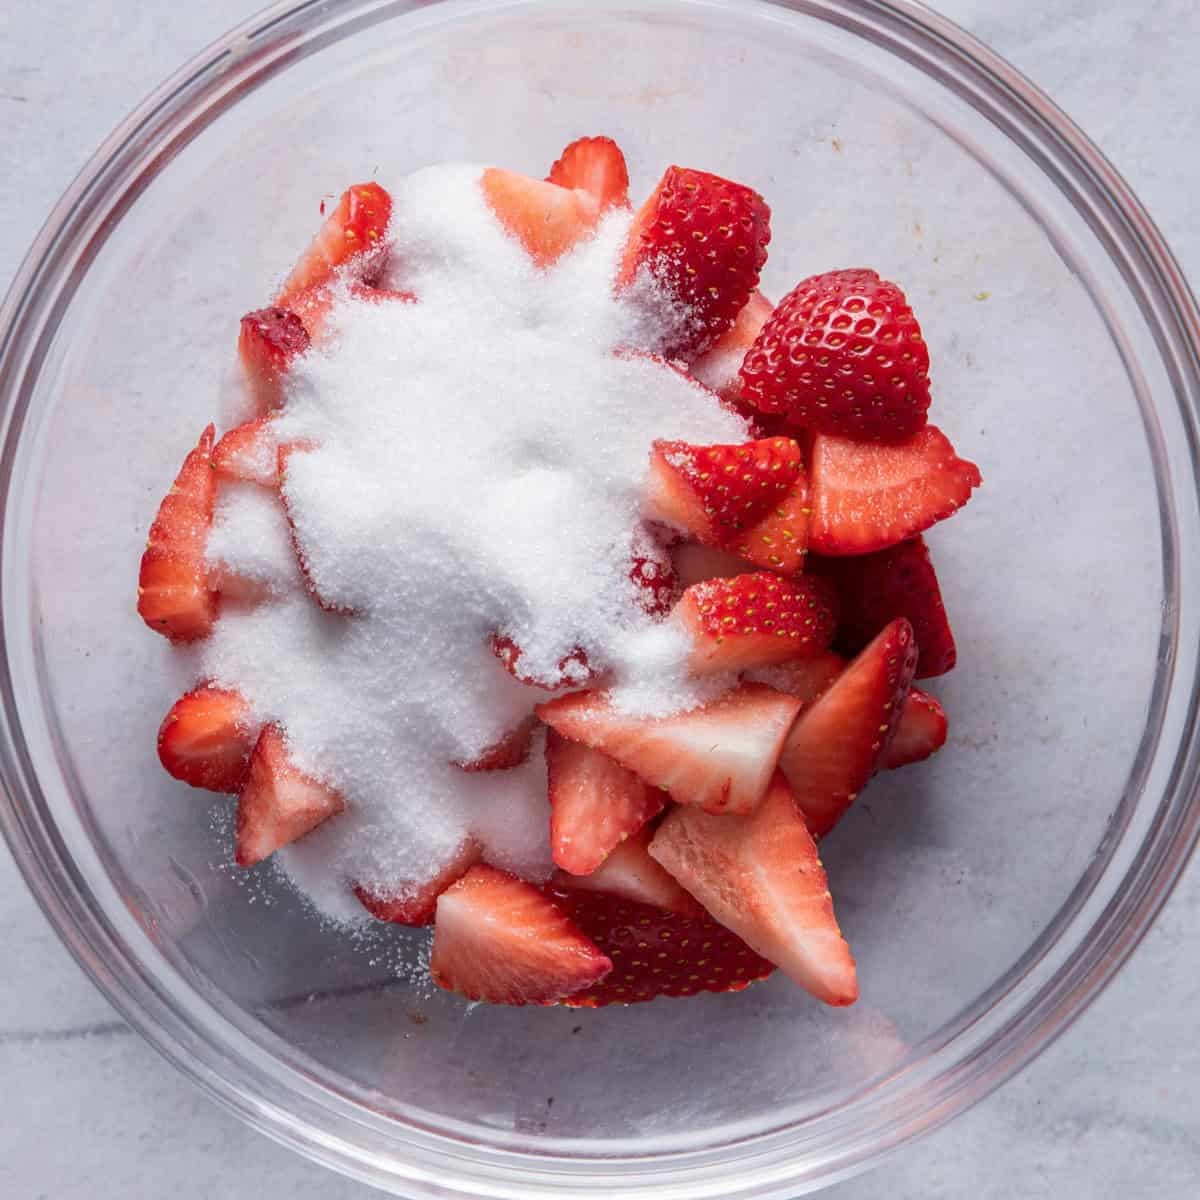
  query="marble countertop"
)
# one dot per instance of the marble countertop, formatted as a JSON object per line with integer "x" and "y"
{"x": 1108, "y": 1111}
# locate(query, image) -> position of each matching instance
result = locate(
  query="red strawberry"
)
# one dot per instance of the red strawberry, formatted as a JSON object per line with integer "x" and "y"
{"x": 920, "y": 732}
{"x": 718, "y": 367}
{"x": 285, "y": 453}
{"x": 842, "y": 354}
{"x": 755, "y": 621}
{"x": 655, "y": 952}
{"x": 248, "y": 453}
{"x": 866, "y": 497}
{"x": 760, "y": 877}
{"x": 704, "y": 239}
{"x": 719, "y": 756}
{"x": 654, "y": 574}
{"x": 573, "y": 669}
{"x": 206, "y": 739}
{"x": 750, "y": 499}
{"x": 416, "y": 906}
{"x": 314, "y": 305}
{"x": 595, "y": 804}
{"x": 874, "y": 589}
{"x": 694, "y": 563}
{"x": 353, "y": 233}
{"x": 271, "y": 340}
{"x": 804, "y": 678}
{"x": 835, "y": 746}
{"x": 597, "y": 166}
{"x": 279, "y": 803}
{"x": 174, "y": 598}
{"x": 546, "y": 219}
{"x": 497, "y": 938}
{"x": 510, "y": 751}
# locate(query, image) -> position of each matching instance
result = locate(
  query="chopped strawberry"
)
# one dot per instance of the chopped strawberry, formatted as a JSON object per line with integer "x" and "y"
{"x": 546, "y": 219}
{"x": 416, "y": 906}
{"x": 704, "y": 239}
{"x": 750, "y": 499}
{"x": 595, "y": 803}
{"x": 842, "y": 354}
{"x": 694, "y": 563}
{"x": 206, "y": 739}
{"x": 597, "y": 166}
{"x": 314, "y": 305}
{"x": 248, "y": 453}
{"x": 352, "y": 234}
{"x": 760, "y": 876}
{"x": 510, "y": 751}
{"x": 499, "y": 939}
{"x": 285, "y": 453}
{"x": 835, "y": 746}
{"x": 718, "y": 367}
{"x": 804, "y": 678}
{"x": 279, "y": 803}
{"x": 271, "y": 339}
{"x": 755, "y": 621}
{"x": 174, "y": 598}
{"x": 874, "y": 589}
{"x": 573, "y": 669}
{"x": 866, "y": 496}
{"x": 719, "y": 756}
{"x": 654, "y": 574}
{"x": 920, "y": 732}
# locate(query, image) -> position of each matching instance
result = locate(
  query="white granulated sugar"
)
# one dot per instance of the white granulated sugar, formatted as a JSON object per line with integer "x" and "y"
{"x": 477, "y": 468}
{"x": 250, "y": 538}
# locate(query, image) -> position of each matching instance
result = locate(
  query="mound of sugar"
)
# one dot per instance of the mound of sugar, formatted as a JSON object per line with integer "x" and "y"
{"x": 477, "y": 468}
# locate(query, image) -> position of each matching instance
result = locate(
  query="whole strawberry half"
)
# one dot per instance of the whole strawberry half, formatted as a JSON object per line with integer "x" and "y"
{"x": 842, "y": 353}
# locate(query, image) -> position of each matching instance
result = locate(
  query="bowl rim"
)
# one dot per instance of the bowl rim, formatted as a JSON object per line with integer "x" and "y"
{"x": 1008, "y": 1026}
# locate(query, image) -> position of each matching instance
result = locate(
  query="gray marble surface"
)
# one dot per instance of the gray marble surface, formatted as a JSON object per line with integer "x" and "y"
{"x": 87, "y": 1110}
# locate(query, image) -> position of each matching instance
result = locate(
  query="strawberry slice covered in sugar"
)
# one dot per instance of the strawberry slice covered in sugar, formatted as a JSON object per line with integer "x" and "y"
{"x": 503, "y": 755}
{"x": 720, "y": 365}
{"x": 269, "y": 342}
{"x": 548, "y": 220}
{"x": 417, "y": 903}
{"x": 594, "y": 165}
{"x": 206, "y": 739}
{"x": 248, "y": 453}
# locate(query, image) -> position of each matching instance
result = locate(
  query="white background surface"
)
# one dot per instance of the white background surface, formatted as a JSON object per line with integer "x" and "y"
{"x": 87, "y": 1110}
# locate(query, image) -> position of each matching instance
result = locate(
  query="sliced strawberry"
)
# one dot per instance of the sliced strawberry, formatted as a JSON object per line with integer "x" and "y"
{"x": 416, "y": 906}
{"x": 248, "y": 453}
{"x": 573, "y": 669}
{"x": 314, "y": 305}
{"x": 694, "y": 563}
{"x": 874, "y": 589}
{"x": 206, "y": 739}
{"x": 920, "y": 732}
{"x": 595, "y": 803}
{"x": 704, "y": 239}
{"x": 279, "y": 803}
{"x": 546, "y": 219}
{"x": 720, "y": 756}
{"x": 285, "y": 453}
{"x": 174, "y": 597}
{"x": 353, "y": 233}
{"x": 719, "y": 366}
{"x": 755, "y": 621}
{"x": 271, "y": 339}
{"x": 499, "y": 939}
{"x": 760, "y": 876}
{"x": 837, "y": 743}
{"x": 804, "y": 678}
{"x": 510, "y": 751}
{"x": 232, "y": 587}
{"x": 867, "y": 496}
{"x": 750, "y": 499}
{"x": 597, "y": 166}
{"x": 842, "y": 354}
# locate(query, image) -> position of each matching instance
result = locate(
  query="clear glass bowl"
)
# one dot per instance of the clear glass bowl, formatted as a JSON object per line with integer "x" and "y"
{"x": 988, "y": 894}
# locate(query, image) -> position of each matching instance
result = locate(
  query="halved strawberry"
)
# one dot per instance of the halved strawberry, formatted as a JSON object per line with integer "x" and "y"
{"x": 354, "y": 232}
{"x": 248, "y": 453}
{"x": 416, "y": 906}
{"x": 867, "y": 496}
{"x": 750, "y": 499}
{"x": 595, "y": 803}
{"x": 546, "y": 219}
{"x": 174, "y": 597}
{"x": 597, "y": 166}
{"x": 695, "y": 562}
{"x": 279, "y": 803}
{"x": 284, "y": 456}
{"x": 499, "y": 939}
{"x": 920, "y": 732}
{"x": 206, "y": 739}
{"x": 874, "y": 589}
{"x": 720, "y": 756}
{"x": 510, "y": 751}
{"x": 704, "y": 239}
{"x": 835, "y": 746}
{"x": 755, "y": 621}
{"x": 760, "y": 876}
{"x": 718, "y": 366}
{"x": 271, "y": 339}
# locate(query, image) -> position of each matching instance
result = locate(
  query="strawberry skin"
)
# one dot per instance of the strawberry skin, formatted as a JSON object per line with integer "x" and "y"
{"x": 755, "y": 620}
{"x": 248, "y": 454}
{"x": 417, "y": 907}
{"x": 751, "y": 499}
{"x": 868, "y": 496}
{"x": 720, "y": 365}
{"x": 174, "y": 597}
{"x": 510, "y": 751}
{"x": 271, "y": 339}
{"x": 595, "y": 804}
{"x": 920, "y": 732}
{"x": 499, "y": 939}
{"x": 842, "y": 354}
{"x": 278, "y": 803}
{"x": 653, "y": 574}
{"x": 546, "y": 219}
{"x": 839, "y": 740}
{"x": 704, "y": 239}
{"x": 206, "y": 739}
{"x": 760, "y": 877}
{"x": 720, "y": 756}
{"x": 597, "y": 166}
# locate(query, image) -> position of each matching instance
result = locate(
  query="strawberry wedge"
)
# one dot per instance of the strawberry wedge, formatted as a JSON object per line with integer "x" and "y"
{"x": 546, "y": 219}
{"x": 269, "y": 342}
{"x": 719, "y": 757}
{"x": 416, "y": 906}
{"x": 760, "y": 876}
{"x": 594, "y": 165}
{"x": 206, "y": 739}
{"x": 248, "y": 453}
{"x": 920, "y": 733}
{"x": 718, "y": 366}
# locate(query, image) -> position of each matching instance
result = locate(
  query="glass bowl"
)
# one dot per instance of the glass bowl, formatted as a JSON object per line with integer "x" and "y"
{"x": 988, "y": 894}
